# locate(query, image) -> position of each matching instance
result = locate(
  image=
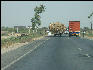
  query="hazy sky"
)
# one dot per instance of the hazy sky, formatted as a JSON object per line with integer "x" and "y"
{"x": 20, "y": 12}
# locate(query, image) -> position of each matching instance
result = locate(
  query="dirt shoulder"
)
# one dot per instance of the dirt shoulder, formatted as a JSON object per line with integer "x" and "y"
{"x": 88, "y": 37}
{"x": 17, "y": 45}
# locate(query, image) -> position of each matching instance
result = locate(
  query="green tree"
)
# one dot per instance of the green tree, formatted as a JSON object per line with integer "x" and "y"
{"x": 85, "y": 28}
{"x": 90, "y": 15}
{"x": 36, "y": 22}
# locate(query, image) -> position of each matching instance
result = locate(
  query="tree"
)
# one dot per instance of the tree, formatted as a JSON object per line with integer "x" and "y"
{"x": 85, "y": 28}
{"x": 90, "y": 15}
{"x": 36, "y": 22}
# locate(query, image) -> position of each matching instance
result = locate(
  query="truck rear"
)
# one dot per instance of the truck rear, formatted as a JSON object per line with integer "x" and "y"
{"x": 74, "y": 28}
{"x": 57, "y": 28}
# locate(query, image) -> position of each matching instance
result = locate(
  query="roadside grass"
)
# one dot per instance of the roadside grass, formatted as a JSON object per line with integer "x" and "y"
{"x": 7, "y": 40}
{"x": 20, "y": 39}
{"x": 89, "y": 35}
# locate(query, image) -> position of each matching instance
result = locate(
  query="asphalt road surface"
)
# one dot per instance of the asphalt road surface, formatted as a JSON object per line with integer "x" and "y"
{"x": 51, "y": 53}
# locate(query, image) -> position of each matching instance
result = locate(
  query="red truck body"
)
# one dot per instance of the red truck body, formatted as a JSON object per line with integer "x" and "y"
{"x": 74, "y": 28}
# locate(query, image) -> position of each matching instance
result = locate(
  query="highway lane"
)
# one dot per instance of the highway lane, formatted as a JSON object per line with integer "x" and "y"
{"x": 13, "y": 55}
{"x": 57, "y": 53}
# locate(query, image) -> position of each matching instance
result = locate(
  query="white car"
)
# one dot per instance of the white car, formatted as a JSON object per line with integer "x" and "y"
{"x": 49, "y": 34}
{"x": 66, "y": 32}
{"x": 47, "y": 31}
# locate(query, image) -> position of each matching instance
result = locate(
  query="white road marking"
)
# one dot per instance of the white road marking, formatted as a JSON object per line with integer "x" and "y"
{"x": 80, "y": 49}
{"x": 87, "y": 55}
{"x": 20, "y": 57}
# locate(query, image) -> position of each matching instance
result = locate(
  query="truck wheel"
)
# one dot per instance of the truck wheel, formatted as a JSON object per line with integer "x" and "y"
{"x": 60, "y": 34}
{"x": 69, "y": 35}
{"x": 77, "y": 35}
{"x": 54, "y": 34}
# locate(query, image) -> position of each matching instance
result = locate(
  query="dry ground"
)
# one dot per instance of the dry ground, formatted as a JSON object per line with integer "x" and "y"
{"x": 16, "y": 45}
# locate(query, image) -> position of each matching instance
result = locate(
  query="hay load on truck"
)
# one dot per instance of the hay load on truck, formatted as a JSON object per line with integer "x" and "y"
{"x": 57, "y": 28}
{"x": 74, "y": 28}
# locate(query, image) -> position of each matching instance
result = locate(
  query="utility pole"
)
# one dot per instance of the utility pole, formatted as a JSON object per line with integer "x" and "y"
{"x": 91, "y": 27}
{"x": 83, "y": 33}
{"x": 17, "y": 29}
{"x": 90, "y": 17}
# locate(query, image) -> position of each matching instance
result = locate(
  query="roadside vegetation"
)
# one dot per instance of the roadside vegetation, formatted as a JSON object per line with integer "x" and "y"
{"x": 26, "y": 34}
{"x": 23, "y": 38}
{"x": 88, "y": 32}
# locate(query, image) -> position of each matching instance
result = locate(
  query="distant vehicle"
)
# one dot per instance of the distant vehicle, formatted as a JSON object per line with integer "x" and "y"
{"x": 66, "y": 32}
{"x": 49, "y": 33}
{"x": 57, "y": 28}
{"x": 74, "y": 28}
{"x": 24, "y": 34}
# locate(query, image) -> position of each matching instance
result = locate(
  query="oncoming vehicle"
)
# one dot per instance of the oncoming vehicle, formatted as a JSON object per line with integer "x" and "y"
{"x": 66, "y": 32}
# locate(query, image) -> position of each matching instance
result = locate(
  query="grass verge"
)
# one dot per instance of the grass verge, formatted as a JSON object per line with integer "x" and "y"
{"x": 21, "y": 39}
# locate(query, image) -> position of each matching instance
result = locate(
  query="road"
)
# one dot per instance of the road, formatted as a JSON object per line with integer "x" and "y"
{"x": 51, "y": 53}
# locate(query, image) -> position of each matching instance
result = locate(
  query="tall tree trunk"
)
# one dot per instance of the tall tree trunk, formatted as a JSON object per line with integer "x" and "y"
{"x": 91, "y": 27}
{"x": 17, "y": 29}
{"x": 36, "y": 30}
{"x": 29, "y": 30}
{"x": 33, "y": 31}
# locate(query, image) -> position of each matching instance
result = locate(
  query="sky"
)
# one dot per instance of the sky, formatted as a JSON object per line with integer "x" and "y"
{"x": 19, "y": 13}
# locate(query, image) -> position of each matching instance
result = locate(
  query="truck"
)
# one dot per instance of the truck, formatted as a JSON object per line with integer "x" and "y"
{"x": 57, "y": 28}
{"x": 74, "y": 28}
